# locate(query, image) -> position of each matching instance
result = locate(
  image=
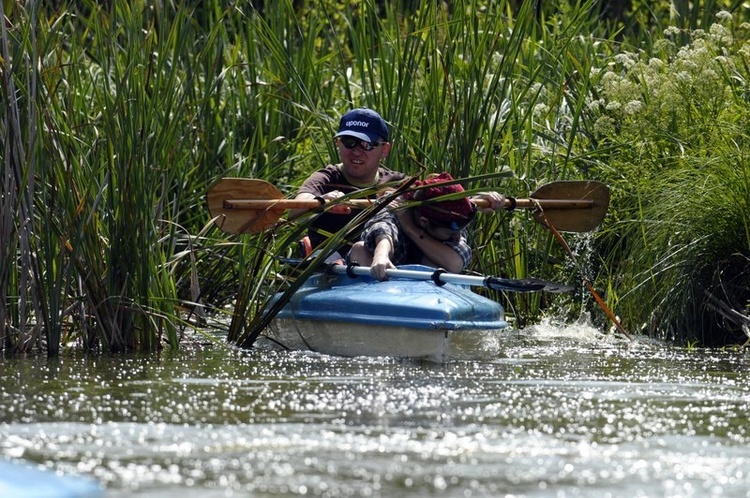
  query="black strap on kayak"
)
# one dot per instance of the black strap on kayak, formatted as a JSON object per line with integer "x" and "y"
{"x": 350, "y": 269}
{"x": 436, "y": 277}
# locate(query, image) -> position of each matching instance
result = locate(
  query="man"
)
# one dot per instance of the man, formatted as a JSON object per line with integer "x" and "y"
{"x": 362, "y": 141}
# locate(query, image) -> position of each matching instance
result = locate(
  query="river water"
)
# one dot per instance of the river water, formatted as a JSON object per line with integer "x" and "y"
{"x": 560, "y": 411}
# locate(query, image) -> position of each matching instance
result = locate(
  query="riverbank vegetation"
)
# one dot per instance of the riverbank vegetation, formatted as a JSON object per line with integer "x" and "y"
{"x": 116, "y": 119}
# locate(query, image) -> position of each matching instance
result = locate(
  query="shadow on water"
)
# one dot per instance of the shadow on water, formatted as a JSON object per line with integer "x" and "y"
{"x": 554, "y": 410}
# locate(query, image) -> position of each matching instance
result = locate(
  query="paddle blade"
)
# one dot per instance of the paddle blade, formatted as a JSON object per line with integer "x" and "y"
{"x": 242, "y": 221}
{"x": 525, "y": 285}
{"x": 565, "y": 214}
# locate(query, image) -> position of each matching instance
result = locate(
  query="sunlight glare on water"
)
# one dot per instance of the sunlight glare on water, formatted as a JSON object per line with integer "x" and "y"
{"x": 557, "y": 410}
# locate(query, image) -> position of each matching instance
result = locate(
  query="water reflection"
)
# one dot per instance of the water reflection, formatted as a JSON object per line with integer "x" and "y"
{"x": 558, "y": 411}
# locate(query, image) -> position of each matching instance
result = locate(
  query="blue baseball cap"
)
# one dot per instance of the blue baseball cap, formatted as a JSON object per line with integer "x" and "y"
{"x": 364, "y": 124}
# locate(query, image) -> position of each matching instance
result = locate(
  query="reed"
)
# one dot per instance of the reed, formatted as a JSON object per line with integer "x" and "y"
{"x": 107, "y": 170}
{"x": 123, "y": 115}
{"x": 19, "y": 294}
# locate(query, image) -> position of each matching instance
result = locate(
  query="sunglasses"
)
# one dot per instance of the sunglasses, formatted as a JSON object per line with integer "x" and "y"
{"x": 455, "y": 225}
{"x": 351, "y": 142}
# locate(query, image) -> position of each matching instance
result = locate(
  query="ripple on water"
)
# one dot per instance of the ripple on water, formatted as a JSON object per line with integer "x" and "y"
{"x": 541, "y": 418}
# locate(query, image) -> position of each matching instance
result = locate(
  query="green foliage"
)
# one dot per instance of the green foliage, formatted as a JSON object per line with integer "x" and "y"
{"x": 117, "y": 118}
{"x": 677, "y": 123}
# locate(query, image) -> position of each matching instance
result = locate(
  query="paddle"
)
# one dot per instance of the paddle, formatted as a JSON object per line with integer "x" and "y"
{"x": 441, "y": 277}
{"x": 248, "y": 205}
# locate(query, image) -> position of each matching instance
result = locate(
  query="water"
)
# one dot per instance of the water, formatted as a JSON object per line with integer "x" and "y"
{"x": 557, "y": 412}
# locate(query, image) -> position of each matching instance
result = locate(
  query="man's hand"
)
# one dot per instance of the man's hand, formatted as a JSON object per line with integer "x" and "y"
{"x": 339, "y": 208}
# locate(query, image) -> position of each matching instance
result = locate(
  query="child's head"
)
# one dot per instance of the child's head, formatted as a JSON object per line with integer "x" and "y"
{"x": 453, "y": 214}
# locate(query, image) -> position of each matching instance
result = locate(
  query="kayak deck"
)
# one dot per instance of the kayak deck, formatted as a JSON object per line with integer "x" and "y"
{"x": 401, "y": 317}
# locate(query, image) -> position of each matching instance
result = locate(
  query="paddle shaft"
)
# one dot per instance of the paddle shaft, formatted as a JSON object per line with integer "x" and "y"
{"x": 247, "y": 205}
{"x": 448, "y": 278}
{"x": 442, "y": 277}
{"x": 283, "y": 204}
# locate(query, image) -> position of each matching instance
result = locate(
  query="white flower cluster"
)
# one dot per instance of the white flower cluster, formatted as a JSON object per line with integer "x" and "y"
{"x": 667, "y": 89}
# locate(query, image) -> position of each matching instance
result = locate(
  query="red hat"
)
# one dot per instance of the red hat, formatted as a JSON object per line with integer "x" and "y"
{"x": 453, "y": 213}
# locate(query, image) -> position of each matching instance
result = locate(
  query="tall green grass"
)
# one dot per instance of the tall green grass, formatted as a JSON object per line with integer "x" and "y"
{"x": 117, "y": 118}
{"x": 107, "y": 168}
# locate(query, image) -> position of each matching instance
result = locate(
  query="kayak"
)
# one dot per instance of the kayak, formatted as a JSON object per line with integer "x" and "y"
{"x": 356, "y": 315}
{"x": 406, "y": 317}
{"x": 19, "y": 479}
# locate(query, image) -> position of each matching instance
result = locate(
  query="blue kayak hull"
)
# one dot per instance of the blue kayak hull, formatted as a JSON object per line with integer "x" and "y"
{"x": 356, "y": 316}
